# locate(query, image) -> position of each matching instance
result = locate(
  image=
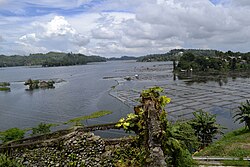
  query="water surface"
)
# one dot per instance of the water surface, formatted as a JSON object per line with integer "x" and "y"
{"x": 86, "y": 91}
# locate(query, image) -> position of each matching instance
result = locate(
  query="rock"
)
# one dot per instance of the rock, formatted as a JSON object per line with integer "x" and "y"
{"x": 36, "y": 84}
{"x": 26, "y": 163}
{"x": 81, "y": 147}
{"x": 97, "y": 159}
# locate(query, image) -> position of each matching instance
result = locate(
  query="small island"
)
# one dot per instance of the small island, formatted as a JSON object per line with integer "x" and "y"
{"x": 4, "y": 86}
{"x": 37, "y": 84}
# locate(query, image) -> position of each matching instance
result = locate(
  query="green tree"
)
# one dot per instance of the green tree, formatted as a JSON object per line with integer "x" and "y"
{"x": 179, "y": 141}
{"x": 205, "y": 127}
{"x": 233, "y": 63}
{"x": 243, "y": 114}
{"x": 188, "y": 57}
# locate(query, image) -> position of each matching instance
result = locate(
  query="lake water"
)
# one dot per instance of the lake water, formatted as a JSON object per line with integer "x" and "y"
{"x": 85, "y": 90}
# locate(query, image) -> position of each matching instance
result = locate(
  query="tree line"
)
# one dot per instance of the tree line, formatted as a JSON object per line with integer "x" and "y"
{"x": 49, "y": 59}
{"x": 200, "y": 54}
{"x": 175, "y": 54}
{"x": 221, "y": 61}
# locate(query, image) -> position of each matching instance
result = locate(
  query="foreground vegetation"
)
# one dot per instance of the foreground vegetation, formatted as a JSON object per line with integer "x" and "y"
{"x": 48, "y": 60}
{"x": 7, "y": 162}
{"x": 42, "y": 128}
{"x": 178, "y": 140}
{"x": 236, "y": 163}
{"x": 235, "y": 144}
{"x": 243, "y": 114}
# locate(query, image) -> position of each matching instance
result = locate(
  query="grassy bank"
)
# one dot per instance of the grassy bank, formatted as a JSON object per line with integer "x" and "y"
{"x": 91, "y": 116}
{"x": 234, "y": 144}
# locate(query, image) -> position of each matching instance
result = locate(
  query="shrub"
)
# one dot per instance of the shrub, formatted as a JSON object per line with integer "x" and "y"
{"x": 12, "y": 134}
{"x": 205, "y": 127}
{"x": 243, "y": 114}
{"x": 42, "y": 128}
{"x": 179, "y": 141}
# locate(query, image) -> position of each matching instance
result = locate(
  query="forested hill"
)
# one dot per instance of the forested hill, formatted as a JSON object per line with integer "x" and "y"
{"x": 175, "y": 55}
{"x": 49, "y": 59}
{"x": 122, "y": 58}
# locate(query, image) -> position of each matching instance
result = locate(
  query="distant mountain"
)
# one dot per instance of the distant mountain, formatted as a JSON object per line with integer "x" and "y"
{"x": 49, "y": 59}
{"x": 122, "y": 58}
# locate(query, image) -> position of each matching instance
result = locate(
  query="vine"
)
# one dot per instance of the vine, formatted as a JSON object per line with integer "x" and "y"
{"x": 136, "y": 121}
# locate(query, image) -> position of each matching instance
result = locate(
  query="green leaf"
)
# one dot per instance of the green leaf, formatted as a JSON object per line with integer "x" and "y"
{"x": 164, "y": 100}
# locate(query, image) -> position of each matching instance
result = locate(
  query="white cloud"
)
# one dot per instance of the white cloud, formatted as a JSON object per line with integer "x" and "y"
{"x": 56, "y": 35}
{"x": 58, "y": 27}
{"x": 23, "y": 48}
{"x": 1, "y": 38}
{"x": 189, "y": 23}
{"x": 29, "y": 38}
{"x": 84, "y": 23}
{"x": 110, "y": 25}
{"x": 242, "y": 3}
{"x": 135, "y": 43}
{"x": 2, "y": 2}
{"x": 133, "y": 27}
{"x": 118, "y": 5}
{"x": 104, "y": 33}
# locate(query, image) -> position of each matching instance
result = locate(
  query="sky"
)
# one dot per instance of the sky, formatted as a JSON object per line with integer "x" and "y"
{"x": 114, "y": 28}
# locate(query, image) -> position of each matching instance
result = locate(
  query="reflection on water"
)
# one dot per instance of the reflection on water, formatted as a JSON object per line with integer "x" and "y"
{"x": 222, "y": 79}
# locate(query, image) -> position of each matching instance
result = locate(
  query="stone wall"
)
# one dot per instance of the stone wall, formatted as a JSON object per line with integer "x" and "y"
{"x": 76, "y": 148}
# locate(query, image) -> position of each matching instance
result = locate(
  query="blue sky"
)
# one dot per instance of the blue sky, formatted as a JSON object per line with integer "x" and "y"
{"x": 29, "y": 9}
{"x": 215, "y": 1}
{"x": 122, "y": 27}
